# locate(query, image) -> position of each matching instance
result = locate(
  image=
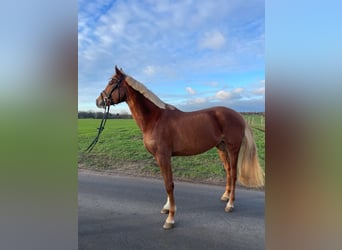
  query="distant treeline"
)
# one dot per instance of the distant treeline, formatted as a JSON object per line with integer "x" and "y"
{"x": 99, "y": 115}
{"x": 253, "y": 113}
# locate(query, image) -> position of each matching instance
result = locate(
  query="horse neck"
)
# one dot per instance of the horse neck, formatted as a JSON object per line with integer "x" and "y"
{"x": 143, "y": 110}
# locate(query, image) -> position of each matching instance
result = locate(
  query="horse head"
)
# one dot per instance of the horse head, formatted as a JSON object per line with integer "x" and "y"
{"x": 114, "y": 92}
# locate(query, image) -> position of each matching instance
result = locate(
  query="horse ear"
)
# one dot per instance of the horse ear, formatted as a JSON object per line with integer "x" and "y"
{"x": 118, "y": 71}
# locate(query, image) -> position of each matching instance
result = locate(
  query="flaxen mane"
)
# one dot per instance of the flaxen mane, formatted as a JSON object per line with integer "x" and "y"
{"x": 138, "y": 86}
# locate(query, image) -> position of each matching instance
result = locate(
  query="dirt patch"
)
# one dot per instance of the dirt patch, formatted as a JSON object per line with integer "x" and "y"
{"x": 134, "y": 169}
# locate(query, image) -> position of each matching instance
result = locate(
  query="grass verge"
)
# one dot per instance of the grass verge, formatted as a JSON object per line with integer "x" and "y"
{"x": 121, "y": 150}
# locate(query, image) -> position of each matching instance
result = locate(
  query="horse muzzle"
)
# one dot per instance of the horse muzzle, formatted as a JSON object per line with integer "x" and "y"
{"x": 103, "y": 101}
{"x": 100, "y": 102}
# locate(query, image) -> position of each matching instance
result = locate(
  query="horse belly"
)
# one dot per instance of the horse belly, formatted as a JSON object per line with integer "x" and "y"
{"x": 195, "y": 141}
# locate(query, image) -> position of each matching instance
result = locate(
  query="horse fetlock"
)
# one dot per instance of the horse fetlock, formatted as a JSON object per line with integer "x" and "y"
{"x": 169, "y": 223}
{"x": 164, "y": 211}
{"x": 229, "y": 207}
{"x": 225, "y": 197}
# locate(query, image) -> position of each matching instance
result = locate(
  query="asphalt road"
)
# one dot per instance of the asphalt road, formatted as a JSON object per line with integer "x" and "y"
{"x": 117, "y": 212}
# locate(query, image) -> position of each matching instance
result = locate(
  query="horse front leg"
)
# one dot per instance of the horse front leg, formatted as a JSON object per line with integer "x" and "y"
{"x": 166, "y": 207}
{"x": 164, "y": 163}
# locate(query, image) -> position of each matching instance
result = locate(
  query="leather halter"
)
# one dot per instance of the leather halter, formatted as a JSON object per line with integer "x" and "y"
{"x": 107, "y": 98}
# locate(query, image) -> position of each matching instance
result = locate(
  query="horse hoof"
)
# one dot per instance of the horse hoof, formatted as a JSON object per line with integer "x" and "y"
{"x": 224, "y": 198}
{"x": 168, "y": 225}
{"x": 228, "y": 209}
{"x": 164, "y": 211}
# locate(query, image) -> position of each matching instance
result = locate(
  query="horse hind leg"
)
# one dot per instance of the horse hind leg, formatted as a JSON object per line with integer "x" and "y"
{"x": 223, "y": 153}
{"x": 233, "y": 152}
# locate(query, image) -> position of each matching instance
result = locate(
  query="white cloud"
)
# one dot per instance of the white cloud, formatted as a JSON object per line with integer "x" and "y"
{"x": 149, "y": 70}
{"x": 228, "y": 95}
{"x": 212, "y": 40}
{"x": 213, "y": 84}
{"x": 199, "y": 100}
{"x": 238, "y": 90}
{"x": 173, "y": 42}
{"x": 223, "y": 95}
{"x": 190, "y": 90}
{"x": 259, "y": 91}
{"x": 106, "y": 39}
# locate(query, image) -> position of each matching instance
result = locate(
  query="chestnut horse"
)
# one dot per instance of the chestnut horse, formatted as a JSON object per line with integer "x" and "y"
{"x": 168, "y": 132}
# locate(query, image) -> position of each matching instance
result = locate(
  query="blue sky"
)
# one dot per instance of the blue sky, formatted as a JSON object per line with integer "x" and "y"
{"x": 192, "y": 54}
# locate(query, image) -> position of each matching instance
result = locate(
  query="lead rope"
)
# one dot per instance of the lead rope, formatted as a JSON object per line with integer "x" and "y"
{"x": 100, "y": 129}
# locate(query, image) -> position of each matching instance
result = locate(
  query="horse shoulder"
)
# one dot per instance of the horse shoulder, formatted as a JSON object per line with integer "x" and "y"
{"x": 157, "y": 135}
{"x": 150, "y": 143}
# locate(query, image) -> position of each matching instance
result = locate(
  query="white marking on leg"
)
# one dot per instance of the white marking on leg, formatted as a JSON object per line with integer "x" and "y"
{"x": 229, "y": 207}
{"x": 168, "y": 220}
{"x": 225, "y": 196}
{"x": 230, "y": 204}
{"x": 167, "y": 204}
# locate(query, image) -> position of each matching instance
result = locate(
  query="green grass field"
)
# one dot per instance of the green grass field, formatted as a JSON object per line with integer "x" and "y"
{"x": 121, "y": 150}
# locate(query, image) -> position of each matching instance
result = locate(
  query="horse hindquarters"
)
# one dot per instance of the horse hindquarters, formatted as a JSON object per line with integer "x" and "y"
{"x": 238, "y": 152}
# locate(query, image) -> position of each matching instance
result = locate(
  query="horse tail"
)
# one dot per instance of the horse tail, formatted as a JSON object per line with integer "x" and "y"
{"x": 250, "y": 172}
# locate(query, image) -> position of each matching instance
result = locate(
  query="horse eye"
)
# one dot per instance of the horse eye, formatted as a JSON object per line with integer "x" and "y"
{"x": 113, "y": 81}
